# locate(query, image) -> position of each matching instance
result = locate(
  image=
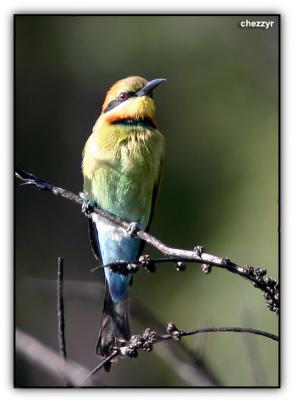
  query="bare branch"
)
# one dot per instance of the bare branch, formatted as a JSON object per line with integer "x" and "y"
{"x": 222, "y": 329}
{"x": 186, "y": 364}
{"x": 60, "y": 315}
{"x": 147, "y": 340}
{"x": 60, "y": 310}
{"x": 190, "y": 366}
{"x": 49, "y": 360}
{"x": 269, "y": 286}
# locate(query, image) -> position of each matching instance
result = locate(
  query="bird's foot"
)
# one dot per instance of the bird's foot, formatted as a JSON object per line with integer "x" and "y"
{"x": 133, "y": 228}
{"x": 87, "y": 207}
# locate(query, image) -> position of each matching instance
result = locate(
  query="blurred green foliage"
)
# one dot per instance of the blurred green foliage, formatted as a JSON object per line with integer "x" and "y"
{"x": 219, "y": 112}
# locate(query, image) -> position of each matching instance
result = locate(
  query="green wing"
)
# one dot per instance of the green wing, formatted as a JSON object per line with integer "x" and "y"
{"x": 93, "y": 234}
{"x": 92, "y": 231}
{"x": 94, "y": 239}
{"x": 155, "y": 193}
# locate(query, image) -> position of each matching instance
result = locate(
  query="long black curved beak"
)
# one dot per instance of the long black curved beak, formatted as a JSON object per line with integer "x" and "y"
{"x": 147, "y": 89}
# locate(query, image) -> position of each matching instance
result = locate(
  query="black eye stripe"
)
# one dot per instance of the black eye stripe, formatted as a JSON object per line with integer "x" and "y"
{"x": 113, "y": 104}
{"x": 116, "y": 102}
{"x": 130, "y": 94}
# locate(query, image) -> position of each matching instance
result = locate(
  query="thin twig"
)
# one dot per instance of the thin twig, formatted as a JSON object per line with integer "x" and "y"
{"x": 60, "y": 315}
{"x": 102, "y": 364}
{"x": 60, "y": 310}
{"x": 225, "y": 329}
{"x": 149, "y": 338}
{"x": 269, "y": 287}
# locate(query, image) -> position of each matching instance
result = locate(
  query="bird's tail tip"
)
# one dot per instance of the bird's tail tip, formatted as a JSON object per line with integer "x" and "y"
{"x": 115, "y": 327}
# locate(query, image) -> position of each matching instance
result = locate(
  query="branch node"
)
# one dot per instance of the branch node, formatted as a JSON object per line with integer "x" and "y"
{"x": 172, "y": 330}
{"x": 248, "y": 270}
{"x": 132, "y": 268}
{"x": 206, "y": 268}
{"x": 147, "y": 263}
{"x": 87, "y": 207}
{"x": 225, "y": 260}
{"x": 260, "y": 271}
{"x": 30, "y": 179}
{"x": 144, "y": 342}
{"x": 180, "y": 266}
{"x": 199, "y": 251}
{"x": 271, "y": 282}
{"x": 132, "y": 229}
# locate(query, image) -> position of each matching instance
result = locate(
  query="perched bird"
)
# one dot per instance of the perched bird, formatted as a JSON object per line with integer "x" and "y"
{"x": 122, "y": 164}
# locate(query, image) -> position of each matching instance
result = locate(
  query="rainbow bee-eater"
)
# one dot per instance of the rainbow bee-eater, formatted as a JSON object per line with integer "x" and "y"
{"x": 122, "y": 164}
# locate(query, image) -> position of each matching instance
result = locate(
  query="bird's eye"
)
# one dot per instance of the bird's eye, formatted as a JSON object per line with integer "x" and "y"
{"x": 123, "y": 96}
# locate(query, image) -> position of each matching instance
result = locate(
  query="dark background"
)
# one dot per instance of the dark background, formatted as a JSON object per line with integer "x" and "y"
{"x": 219, "y": 113}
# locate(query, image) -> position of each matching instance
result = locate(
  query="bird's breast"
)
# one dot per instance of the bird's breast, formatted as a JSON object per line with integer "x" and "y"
{"x": 123, "y": 176}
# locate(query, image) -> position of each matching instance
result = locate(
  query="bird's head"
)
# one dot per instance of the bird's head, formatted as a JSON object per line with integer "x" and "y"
{"x": 130, "y": 99}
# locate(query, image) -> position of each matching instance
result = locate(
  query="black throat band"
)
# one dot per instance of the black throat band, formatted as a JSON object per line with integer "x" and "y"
{"x": 145, "y": 122}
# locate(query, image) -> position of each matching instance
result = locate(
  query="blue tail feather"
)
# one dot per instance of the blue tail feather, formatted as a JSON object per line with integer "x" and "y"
{"x": 116, "y": 245}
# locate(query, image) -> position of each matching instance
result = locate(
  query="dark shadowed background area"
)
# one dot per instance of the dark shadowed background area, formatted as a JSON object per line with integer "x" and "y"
{"x": 219, "y": 113}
